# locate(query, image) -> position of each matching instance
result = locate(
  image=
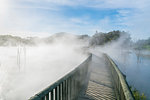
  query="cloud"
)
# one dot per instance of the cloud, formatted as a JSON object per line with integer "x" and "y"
{"x": 4, "y": 9}
{"x": 51, "y": 16}
{"x": 78, "y": 21}
{"x": 136, "y": 21}
{"x": 96, "y": 3}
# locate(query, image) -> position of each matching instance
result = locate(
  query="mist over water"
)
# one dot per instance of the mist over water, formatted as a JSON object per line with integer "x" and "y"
{"x": 26, "y": 70}
{"x": 132, "y": 63}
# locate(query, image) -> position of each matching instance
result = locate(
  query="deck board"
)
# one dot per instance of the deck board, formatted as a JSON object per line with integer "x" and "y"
{"x": 99, "y": 85}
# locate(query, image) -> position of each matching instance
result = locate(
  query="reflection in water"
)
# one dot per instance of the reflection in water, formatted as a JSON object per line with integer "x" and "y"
{"x": 138, "y": 53}
{"x": 136, "y": 67}
{"x": 125, "y": 60}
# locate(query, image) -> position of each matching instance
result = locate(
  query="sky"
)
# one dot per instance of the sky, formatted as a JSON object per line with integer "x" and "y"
{"x": 45, "y": 17}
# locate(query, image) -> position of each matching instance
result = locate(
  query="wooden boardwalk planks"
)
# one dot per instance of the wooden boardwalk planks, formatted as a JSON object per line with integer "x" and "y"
{"x": 99, "y": 85}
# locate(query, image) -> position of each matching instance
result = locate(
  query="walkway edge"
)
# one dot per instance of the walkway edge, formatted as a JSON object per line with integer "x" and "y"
{"x": 123, "y": 88}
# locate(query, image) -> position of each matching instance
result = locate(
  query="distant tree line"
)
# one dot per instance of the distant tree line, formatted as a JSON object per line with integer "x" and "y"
{"x": 100, "y": 38}
{"x": 9, "y": 40}
{"x": 143, "y": 44}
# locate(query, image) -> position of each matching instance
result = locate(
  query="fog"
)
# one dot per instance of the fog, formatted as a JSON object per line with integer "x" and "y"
{"x": 26, "y": 70}
{"x": 113, "y": 48}
{"x": 118, "y": 50}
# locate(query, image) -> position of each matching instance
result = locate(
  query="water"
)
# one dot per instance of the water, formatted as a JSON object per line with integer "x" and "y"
{"x": 137, "y": 70}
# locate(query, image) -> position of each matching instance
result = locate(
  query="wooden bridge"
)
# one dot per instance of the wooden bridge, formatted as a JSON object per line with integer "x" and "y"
{"x": 97, "y": 78}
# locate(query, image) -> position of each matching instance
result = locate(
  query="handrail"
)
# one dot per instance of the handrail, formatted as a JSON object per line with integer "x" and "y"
{"x": 68, "y": 87}
{"x": 122, "y": 89}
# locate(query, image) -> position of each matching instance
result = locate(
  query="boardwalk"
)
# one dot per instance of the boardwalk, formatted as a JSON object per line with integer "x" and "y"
{"x": 99, "y": 85}
{"x": 96, "y": 78}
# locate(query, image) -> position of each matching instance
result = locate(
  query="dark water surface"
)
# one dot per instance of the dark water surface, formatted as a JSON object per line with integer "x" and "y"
{"x": 137, "y": 70}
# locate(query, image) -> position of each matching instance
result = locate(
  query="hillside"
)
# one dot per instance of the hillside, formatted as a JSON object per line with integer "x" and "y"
{"x": 9, "y": 40}
{"x": 104, "y": 38}
{"x": 97, "y": 39}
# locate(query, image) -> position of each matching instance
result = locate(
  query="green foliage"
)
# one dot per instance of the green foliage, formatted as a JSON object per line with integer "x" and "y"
{"x": 9, "y": 40}
{"x": 103, "y": 38}
{"x": 96, "y": 39}
{"x": 137, "y": 94}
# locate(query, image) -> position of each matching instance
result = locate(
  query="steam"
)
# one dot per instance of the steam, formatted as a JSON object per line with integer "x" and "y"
{"x": 115, "y": 47}
{"x": 26, "y": 70}
{"x": 118, "y": 50}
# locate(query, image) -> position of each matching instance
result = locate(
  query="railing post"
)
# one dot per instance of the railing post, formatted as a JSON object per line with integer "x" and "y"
{"x": 47, "y": 96}
{"x": 71, "y": 86}
{"x": 60, "y": 92}
{"x": 66, "y": 89}
{"x": 56, "y": 93}
{"x": 74, "y": 88}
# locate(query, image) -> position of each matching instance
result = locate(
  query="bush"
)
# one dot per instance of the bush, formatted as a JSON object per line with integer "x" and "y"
{"x": 137, "y": 94}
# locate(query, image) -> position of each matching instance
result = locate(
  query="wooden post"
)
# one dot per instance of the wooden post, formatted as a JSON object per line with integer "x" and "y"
{"x": 47, "y": 96}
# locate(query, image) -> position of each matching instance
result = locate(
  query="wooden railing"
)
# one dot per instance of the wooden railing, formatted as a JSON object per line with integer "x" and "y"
{"x": 121, "y": 87}
{"x": 68, "y": 87}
